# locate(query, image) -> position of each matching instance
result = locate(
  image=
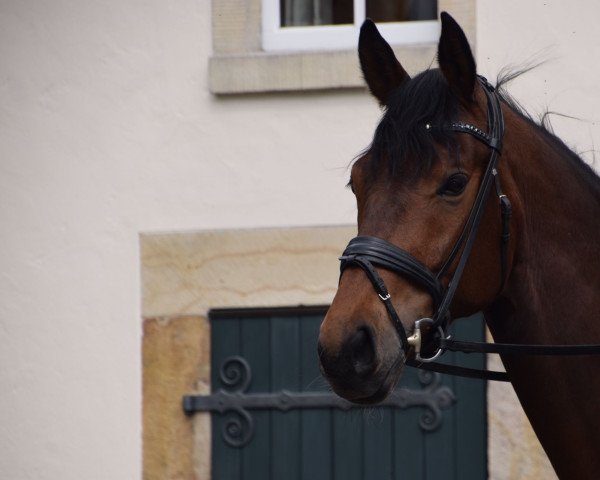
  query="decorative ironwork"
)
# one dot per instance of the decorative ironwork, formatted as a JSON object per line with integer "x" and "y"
{"x": 238, "y": 428}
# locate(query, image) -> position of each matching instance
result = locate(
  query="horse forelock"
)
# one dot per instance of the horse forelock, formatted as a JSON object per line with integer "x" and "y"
{"x": 402, "y": 143}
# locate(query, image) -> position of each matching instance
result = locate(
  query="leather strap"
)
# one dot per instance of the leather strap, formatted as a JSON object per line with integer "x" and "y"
{"x": 516, "y": 348}
{"x": 383, "y": 293}
{"x": 500, "y": 348}
{"x": 386, "y": 255}
{"x": 493, "y": 139}
{"x": 460, "y": 371}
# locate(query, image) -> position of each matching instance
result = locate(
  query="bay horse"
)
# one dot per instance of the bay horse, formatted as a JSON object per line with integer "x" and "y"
{"x": 432, "y": 192}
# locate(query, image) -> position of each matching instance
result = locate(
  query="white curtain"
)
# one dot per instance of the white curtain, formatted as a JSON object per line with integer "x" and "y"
{"x": 297, "y": 13}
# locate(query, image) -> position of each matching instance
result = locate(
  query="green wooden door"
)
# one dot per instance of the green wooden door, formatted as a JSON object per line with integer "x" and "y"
{"x": 277, "y": 350}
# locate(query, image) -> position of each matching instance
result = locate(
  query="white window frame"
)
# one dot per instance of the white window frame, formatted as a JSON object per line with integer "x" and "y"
{"x": 338, "y": 37}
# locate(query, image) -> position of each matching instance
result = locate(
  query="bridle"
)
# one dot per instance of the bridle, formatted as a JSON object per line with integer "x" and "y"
{"x": 368, "y": 252}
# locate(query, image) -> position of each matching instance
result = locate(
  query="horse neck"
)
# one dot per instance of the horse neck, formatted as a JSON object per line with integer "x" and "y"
{"x": 552, "y": 295}
{"x": 558, "y": 232}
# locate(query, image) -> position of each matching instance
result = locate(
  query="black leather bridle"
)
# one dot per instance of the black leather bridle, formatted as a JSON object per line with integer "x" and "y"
{"x": 369, "y": 252}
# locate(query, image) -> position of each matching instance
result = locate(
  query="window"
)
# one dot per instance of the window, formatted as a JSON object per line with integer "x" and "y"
{"x": 294, "y": 45}
{"x": 295, "y": 25}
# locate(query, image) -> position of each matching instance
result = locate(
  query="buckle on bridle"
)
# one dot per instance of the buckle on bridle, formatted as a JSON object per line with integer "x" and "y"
{"x": 416, "y": 340}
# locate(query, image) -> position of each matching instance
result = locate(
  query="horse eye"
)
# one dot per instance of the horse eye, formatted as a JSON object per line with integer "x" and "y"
{"x": 455, "y": 185}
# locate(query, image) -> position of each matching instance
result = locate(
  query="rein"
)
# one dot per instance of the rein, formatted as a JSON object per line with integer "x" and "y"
{"x": 368, "y": 252}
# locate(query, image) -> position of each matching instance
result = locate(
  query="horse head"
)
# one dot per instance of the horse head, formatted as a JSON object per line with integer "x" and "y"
{"x": 415, "y": 188}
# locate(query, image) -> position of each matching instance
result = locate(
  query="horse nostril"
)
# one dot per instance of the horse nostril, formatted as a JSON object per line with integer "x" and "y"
{"x": 362, "y": 351}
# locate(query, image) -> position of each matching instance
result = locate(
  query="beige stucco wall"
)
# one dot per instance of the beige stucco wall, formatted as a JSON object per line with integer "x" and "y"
{"x": 183, "y": 277}
{"x": 107, "y": 129}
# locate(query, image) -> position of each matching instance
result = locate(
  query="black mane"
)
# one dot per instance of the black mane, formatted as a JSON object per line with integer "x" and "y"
{"x": 542, "y": 125}
{"x": 402, "y": 142}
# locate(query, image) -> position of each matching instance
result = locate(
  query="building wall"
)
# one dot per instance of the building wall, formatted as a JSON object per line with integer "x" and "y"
{"x": 184, "y": 275}
{"x": 107, "y": 130}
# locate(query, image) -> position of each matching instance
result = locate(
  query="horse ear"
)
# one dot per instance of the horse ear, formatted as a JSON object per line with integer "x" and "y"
{"x": 456, "y": 59}
{"x": 382, "y": 71}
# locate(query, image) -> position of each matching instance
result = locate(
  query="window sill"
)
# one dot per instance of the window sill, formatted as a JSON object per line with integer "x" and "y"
{"x": 253, "y": 72}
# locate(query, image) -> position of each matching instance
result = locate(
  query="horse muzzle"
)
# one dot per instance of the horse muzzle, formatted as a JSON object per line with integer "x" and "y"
{"x": 365, "y": 367}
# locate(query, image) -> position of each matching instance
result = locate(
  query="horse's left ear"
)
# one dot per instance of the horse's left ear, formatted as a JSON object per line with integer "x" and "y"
{"x": 456, "y": 59}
